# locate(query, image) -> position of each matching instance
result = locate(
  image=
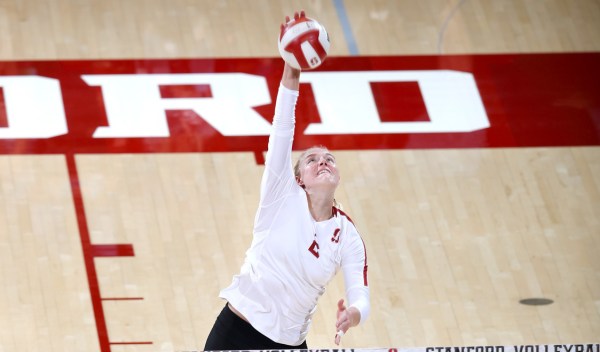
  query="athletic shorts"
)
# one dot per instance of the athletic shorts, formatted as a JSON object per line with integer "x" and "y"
{"x": 231, "y": 332}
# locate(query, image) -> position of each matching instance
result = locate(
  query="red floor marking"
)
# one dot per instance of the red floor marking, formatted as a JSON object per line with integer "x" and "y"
{"x": 91, "y": 251}
{"x": 185, "y": 91}
{"x": 132, "y": 343}
{"x": 122, "y": 298}
{"x": 526, "y": 106}
{"x": 112, "y": 250}
{"x": 88, "y": 256}
{"x": 259, "y": 157}
{"x": 3, "y": 114}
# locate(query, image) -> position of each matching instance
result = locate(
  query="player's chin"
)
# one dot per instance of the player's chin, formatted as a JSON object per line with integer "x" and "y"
{"x": 329, "y": 179}
{"x": 326, "y": 185}
{"x": 329, "y": 176}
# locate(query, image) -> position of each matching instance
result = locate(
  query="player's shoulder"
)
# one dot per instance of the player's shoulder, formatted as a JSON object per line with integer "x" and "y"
{"x": 344, "y": 217}
{"x": 352, "y": 239}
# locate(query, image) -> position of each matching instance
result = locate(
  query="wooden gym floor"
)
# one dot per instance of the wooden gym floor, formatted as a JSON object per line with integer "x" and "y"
{"x": 455, "y": 237}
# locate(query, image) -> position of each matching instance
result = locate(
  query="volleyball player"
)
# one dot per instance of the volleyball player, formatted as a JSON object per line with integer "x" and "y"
{"x": 300, "y": 240}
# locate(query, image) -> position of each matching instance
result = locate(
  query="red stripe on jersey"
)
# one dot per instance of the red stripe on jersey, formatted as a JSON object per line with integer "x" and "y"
{"x": 337, "y": 210}
{"x": 366, "y": 281}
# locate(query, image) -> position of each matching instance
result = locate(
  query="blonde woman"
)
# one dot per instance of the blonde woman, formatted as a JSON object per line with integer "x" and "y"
{"x": 300, "y": 241}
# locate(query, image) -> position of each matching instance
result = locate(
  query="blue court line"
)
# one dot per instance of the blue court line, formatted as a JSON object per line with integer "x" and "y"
{"x": 341, "y": 12}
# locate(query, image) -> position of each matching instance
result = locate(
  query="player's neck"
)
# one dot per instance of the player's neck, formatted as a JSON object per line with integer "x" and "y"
{"x": 320, "y": 206}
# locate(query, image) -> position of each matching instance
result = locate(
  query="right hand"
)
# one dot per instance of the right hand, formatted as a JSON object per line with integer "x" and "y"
{"x": 291, "y": 76}
{"x": 297, "y": 16}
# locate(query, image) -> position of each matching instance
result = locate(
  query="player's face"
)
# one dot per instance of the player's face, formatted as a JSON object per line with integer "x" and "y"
{"x": 318, "y": 169}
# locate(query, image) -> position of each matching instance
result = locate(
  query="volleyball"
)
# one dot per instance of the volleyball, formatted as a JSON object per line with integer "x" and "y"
{"x": 303, "y": 43}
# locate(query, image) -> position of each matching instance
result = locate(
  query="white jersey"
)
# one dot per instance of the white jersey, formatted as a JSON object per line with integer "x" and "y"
{"x": 292, "y": 257}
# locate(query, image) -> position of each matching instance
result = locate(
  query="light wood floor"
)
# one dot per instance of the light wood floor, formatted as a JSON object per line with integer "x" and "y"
{"x": 455, "y": 237}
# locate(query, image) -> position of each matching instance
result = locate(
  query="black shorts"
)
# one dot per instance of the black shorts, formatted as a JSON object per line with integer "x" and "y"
{"x": 231, "y": 332}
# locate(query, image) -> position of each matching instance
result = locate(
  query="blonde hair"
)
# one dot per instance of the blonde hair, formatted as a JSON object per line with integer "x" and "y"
{"x": 302, "y": 157}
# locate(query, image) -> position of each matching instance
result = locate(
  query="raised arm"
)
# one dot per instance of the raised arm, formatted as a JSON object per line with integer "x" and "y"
{"x": 278, "y": 160}
{"x": 278, "y": 177}
{"x": 290, "y": 78}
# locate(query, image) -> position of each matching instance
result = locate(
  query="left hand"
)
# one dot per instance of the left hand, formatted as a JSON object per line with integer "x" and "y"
{"x": 346, "y": 318}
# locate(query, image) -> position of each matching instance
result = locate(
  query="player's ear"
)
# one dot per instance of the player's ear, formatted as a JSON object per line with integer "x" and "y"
{"x": 300, "y": 183}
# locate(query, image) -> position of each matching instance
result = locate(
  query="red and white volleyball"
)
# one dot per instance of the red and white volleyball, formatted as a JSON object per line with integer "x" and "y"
{"x": 304, "y": 43}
